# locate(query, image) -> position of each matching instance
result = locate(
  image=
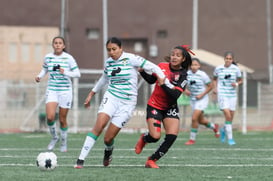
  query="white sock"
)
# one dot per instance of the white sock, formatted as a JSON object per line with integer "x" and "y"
{"x": 87, "y": 146}
{"x": 229, "y": 131}
{"x": 193, "y": 134}
{"x": 53, "y": 131}
{"x": 63, "y": 135}
{"x": 212, "y": 125}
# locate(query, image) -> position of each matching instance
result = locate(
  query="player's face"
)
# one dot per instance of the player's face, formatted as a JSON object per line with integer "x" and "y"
{"x": 195, "y": 66}
{"x": 228, "y": 60}
{"x": 176, "y": 58}
{"x": 58, "y": 46}
{"x": 114, "y": 51}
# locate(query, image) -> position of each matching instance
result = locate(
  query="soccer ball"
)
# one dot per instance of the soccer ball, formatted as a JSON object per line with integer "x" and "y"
{"x": 46, "y": 161}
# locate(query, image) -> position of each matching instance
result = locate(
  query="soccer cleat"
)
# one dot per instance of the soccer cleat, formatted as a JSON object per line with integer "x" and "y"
{"x": 231, "y": 142}
{"x": 107, "y": 157}
{"x": 216, "y": 131}
{"x": 222, "y": 135}
{"x": 79, "y": 164}
{"x": 151, "y": 164}
{"x": 140, "y": 144}
{"x": 190, "y": 142}
{"x": 52, "y": 144}
{"x": 63, "y": 147}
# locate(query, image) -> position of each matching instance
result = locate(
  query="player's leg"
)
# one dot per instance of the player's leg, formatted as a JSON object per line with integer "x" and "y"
{"x": 50, "y": 113}
{"x": 210, "y": 125}
{"x": 171, "y": 126}
{"x": 109, "y": 137}
{"x": 119, "y": 119}
{"x": 194, "y": 127}
{"x": 91, "y": 138}
{"x": 63, "y": 128}
{"x": 65, "y": 101}
{"x": 154, "y": 117}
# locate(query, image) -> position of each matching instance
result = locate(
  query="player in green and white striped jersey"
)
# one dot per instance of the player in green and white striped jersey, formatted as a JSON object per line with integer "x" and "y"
{"x": 119, "y": 101}
{"x": 227, "y": 77}
{"x": 60, "y": 66}
{"x": 199, "y": 85}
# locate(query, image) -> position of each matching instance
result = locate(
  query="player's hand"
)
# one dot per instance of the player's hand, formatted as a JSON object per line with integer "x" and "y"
{"x": 234, "y": 84}
{"x": 161, "y": 81}
{"x": 88, "y": 99}
{"x": 140, "y": 69}
{"x": 61, "y": 71}
{"x": 37, "y": 79}
{"x": 87, "y": 102}
{"x": 199, "y": 96}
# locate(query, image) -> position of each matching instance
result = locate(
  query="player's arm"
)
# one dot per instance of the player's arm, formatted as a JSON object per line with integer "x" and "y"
{"x": 154, "y": 70}
{"x": 151, "y": 79}
{"x": 174, "y": 93}
{"x": 41, "y": 74}
{"x": 74, "y": 72}
{"x": 214, "y": 85}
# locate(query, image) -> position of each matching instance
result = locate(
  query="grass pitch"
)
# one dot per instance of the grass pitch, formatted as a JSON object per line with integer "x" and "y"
{"x": 250, "y": 159}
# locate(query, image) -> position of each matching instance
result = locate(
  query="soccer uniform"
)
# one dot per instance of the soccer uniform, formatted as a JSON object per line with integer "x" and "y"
{"x": 161, "y": 104}
{"x": 197, "y": 85}
{"x": 59, "y": 88}
{"x": 121, "y": 75}
{"x": 227, "y": 94}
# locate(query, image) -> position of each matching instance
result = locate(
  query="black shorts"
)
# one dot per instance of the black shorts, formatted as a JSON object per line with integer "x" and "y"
{"x": 158, "y": 114}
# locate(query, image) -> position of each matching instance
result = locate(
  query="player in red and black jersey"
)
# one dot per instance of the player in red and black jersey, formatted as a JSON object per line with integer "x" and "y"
{"x": 162, "y": 105}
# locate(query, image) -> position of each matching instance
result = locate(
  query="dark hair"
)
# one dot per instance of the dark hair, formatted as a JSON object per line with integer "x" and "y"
{"x": 59, "y": 37}
{"x": 114, "y": 40}
{"x": 196, "y": 59}
{"x": 187, "y": 63}
{"x": 232, "y": 55}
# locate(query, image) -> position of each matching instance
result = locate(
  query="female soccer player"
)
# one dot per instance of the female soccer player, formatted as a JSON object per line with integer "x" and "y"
{"x": 199, "y": 85}
{"x": 61, "y": 66}
{"x": 162, "y": 106}
{"x": 227, "y": 78}
{"x": 119, "y": 101}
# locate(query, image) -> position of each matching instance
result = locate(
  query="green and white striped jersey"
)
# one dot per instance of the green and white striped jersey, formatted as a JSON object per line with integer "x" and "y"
{"x": 197, "y": 82}
{"x": 225, "y": 77}
{"x": 56, "y": 80}
{"x": 122, "y": 75}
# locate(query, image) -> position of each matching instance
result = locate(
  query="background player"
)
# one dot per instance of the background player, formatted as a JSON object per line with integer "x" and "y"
{"x": 61, "y": 66}
{"x": 198, "y": 87}
{"x": 227, "y": 78}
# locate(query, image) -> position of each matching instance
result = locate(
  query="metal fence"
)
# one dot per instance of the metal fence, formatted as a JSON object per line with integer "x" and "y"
{"x": 22, "y": 108}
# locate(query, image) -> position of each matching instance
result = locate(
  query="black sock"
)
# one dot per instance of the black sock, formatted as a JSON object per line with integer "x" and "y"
{"x": 164, "y": 147}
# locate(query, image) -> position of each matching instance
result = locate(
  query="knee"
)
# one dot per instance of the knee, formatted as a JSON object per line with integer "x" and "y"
{"x": 152, "y": 138}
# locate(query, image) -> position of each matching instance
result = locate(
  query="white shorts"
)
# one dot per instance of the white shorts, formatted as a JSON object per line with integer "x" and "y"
{"x": 63, "y": 98}
{"x": 200, "y": 104}
{"x": 120, "y": 111}
{"x": 227, "y": 103}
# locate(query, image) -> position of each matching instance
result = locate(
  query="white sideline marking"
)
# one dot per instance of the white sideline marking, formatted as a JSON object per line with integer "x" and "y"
{"x": 183, "y": 148}
{"x": 143, "y": 157}
{"x": 161, "y": 165}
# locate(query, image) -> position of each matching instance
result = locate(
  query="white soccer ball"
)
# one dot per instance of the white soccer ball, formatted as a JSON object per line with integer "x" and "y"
{"x": 46, "y": 161}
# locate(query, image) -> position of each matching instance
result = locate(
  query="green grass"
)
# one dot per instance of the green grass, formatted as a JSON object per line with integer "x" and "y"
{"x": 250, "y": 159}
